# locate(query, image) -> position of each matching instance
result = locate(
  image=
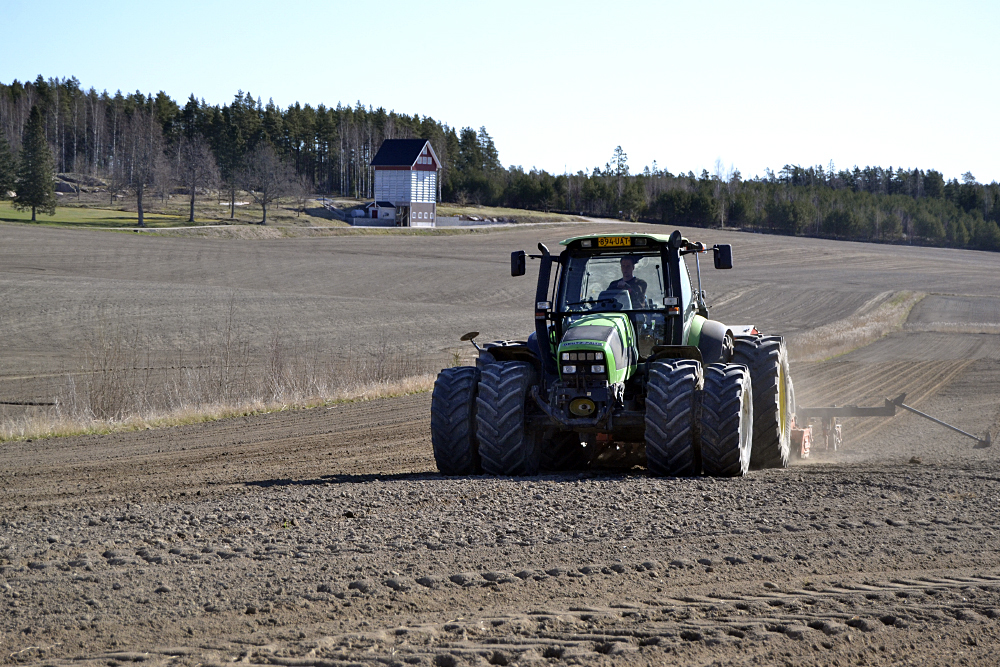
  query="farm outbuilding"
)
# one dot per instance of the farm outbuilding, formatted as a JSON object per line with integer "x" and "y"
{"x": 380, "y": 210}
{"x": 406, "y": 179}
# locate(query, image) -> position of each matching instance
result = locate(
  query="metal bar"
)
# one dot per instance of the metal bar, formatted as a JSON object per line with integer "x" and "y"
{"x": 986, "y": 442}
{"x": 887, "y": 410}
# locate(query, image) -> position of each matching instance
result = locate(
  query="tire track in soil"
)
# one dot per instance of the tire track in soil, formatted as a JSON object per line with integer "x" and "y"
{"x": 366, "y": 438}
{"x": 893, "y": 612}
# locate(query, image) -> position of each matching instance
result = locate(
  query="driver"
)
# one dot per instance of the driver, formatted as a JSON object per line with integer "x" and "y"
{"x": 636, "y": 286}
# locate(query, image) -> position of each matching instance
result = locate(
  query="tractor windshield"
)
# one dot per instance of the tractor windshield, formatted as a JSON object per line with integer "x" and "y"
{"x": 604, "y": 282}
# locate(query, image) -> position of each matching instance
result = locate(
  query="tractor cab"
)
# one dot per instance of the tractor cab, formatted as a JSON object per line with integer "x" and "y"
{"x": 630, "y": 278}
{"x": 606, "y": 307}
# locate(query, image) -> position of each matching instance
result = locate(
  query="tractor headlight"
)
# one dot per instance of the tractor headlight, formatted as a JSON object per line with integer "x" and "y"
{"x": 597, "y": 368}
{"x": 569, "y": 369}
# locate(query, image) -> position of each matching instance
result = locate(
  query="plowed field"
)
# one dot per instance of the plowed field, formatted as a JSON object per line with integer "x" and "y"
{"x": 325, "y": 536}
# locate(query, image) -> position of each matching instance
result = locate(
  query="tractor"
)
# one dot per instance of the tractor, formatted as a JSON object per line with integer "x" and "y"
{"x": 623, "y": 358}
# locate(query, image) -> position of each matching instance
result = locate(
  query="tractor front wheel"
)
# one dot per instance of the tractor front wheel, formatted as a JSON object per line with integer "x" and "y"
{"x": 726, "y": 421}
{"x": 506, "y": 447}
{"x": 453, "y": 421}
{"x": 672, "y": 446}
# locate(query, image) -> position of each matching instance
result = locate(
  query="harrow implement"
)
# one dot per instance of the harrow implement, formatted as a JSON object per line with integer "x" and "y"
{"x": 829, "y": 430}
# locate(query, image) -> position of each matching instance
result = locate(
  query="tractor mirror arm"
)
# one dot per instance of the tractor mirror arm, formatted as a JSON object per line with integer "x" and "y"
{"x": 690, "y": 247}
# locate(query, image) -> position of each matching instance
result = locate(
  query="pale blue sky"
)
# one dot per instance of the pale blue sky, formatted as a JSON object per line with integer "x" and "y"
{"x": 560, "y": 84}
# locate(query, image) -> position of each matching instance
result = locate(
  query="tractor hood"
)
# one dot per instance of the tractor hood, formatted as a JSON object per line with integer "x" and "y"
{"x": 609, "y": 334}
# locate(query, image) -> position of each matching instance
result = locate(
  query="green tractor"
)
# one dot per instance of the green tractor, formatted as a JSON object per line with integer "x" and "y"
{"x": 623, "y": 359}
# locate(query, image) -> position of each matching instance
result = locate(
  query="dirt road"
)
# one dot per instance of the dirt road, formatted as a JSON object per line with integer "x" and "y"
{"x": 324, "y": 537}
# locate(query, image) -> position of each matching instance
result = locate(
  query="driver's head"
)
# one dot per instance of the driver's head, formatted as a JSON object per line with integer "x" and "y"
{"x": 628, "y": 265}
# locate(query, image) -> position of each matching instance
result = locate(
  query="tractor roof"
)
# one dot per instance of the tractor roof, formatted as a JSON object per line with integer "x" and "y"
{"x": 659, "y": 238}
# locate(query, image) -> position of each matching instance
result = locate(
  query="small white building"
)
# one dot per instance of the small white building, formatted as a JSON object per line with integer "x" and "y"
{"x": 380, "y": 210}
{"x": 406, "y": 179}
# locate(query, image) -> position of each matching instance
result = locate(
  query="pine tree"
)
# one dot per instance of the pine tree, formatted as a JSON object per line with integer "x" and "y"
{"x": 35, "y": 186}
{"x": 8, "y": 168}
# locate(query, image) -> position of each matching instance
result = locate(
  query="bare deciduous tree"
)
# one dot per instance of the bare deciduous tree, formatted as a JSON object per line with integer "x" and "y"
{"x": 300, "y": 192}
{"x": 163, "y": 178}
{"x": 197, "y": 167}
{"x": 266, "y": 177}
{"x": 143, "y": 149}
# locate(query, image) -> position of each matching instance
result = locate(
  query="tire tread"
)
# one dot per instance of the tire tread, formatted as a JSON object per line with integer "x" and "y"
{"x": 672, "y": 395}
{"x": 453, "y": 421}
{"x": 505, "y": 445}
{"x": 765, "y": 357}
{"x": 727, "y": 386}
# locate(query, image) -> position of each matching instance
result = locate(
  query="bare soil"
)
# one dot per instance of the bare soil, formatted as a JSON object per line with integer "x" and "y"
{"x": 325, "y": 536}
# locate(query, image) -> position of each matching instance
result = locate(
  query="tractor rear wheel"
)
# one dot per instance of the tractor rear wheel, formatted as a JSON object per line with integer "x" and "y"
{"x": 672, "y": 393}
{"x": 453, "y": 421}
{"x": 767, "y": 359}
{"x": 564, "y": 452}
{"x": 726, "y": 421}
{"x": 506, "y": 446}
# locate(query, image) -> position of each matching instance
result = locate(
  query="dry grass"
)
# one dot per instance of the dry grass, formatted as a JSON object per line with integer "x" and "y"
{"x": 56, "y": 423}
{"x": 123, "y": 385}
{"x": 991, "y": 328}
{"x": 877, "y": 318}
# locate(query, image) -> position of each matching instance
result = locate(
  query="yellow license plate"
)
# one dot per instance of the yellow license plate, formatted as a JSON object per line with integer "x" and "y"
{"x": 614, "y": 241}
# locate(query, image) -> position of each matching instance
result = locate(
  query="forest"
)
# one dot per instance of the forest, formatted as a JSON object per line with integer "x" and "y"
{"x": 139, "y": 142}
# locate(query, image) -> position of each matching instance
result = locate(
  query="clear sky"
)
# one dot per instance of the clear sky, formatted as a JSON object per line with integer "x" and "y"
{"x": 558, "y": 85}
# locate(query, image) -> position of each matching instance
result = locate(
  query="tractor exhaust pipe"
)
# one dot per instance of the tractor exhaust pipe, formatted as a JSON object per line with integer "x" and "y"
{"x": 542, "y": 307}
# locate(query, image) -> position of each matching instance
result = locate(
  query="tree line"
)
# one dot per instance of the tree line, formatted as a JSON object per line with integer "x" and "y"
{"x": 141, "y": 143}
{"x": 867, "y": 204}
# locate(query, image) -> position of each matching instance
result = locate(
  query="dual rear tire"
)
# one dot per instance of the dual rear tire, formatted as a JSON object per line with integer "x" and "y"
{"x": 726, "y": 421}
{"x": 478, "y": 424}
{"x": 506, "y": 445}
{"x": 453, "y": 421}
{"x": 698, "y": 420}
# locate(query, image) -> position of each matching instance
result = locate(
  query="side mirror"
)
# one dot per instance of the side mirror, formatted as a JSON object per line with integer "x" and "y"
{"x": 723, "y": 256}
{"x": 517, "y": 267}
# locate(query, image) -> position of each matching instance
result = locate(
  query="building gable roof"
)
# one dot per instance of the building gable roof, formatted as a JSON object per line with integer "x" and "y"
{"x": 401, "y": 153}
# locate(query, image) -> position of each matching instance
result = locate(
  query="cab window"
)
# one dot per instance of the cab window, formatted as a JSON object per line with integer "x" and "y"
{"x": 594, "y": 282}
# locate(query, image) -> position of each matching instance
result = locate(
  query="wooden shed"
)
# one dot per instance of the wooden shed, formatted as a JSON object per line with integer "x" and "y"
{"x": 406, "y": 177}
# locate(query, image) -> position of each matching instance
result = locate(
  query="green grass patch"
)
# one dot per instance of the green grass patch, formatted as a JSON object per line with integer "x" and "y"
{"x": 173, "y": 214}
{"x": 66, "y": 216}
{"x": 516, "y": 214}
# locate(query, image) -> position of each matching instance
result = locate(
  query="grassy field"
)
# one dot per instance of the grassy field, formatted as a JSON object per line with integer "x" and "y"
{"x": 516, "y": 214}
{"x": 89, "y": 217}
{"x": 92, "y": 211}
